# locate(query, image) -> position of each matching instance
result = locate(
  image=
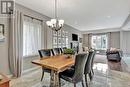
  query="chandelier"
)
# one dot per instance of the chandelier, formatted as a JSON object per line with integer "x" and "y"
{"x": 55, "y": 24}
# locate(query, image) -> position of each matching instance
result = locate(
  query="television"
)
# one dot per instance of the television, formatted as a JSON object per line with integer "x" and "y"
{"x": 74, "y": 37}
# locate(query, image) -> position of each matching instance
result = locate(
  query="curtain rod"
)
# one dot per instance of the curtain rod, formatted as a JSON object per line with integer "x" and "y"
{"x": 33, "y": 18}
{"x": 98, "y": 33}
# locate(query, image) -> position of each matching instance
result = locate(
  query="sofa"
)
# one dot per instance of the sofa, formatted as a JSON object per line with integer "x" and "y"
{"x": 115, "y": 55}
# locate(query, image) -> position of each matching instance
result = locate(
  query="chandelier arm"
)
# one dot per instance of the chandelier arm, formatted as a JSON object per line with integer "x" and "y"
{"x": 59, "y": 28}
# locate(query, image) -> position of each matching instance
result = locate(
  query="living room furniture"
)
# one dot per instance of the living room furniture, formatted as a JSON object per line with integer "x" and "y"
{"x": 115, "y": 55}
{"x": 5, "y": 81}
{"x": 56, "y": 64}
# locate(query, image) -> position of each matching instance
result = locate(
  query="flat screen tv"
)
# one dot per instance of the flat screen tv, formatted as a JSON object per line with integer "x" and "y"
{"x": 74, "y": 37}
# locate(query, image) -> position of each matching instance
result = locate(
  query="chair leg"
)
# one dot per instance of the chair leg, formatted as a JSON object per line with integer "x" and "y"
{"x": 90, "y": 76}
{"x": 82, "y": 83}
{"x": 86, "y": 81}
{"x": 42, "y": 75}
{"x": 92, "y": 71}
{"x": 59, "y": 82}
{"x": 74, "y": 84}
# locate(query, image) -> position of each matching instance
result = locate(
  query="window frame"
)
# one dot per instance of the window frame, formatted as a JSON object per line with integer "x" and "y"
{"x": 101, "y": 35}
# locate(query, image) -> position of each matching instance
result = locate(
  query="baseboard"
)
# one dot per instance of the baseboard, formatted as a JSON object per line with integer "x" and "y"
{"x": 31, "y": 69}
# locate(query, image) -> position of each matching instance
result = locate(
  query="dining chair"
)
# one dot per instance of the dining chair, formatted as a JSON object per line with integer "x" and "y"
{"x": 75, "y": 75}
{"x": 89, "y": 66}
{"x": 61, "y": 50}
{"x": 52, "y": 51}
{"x": 56, "y": 51}
{"x": 43, "y": 53}
{"x": 92, "y": 71}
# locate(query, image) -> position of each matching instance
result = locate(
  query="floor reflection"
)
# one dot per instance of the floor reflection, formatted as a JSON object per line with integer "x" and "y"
{"x": 101, "y": 67}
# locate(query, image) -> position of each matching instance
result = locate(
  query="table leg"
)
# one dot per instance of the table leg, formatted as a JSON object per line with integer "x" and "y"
{"x": 57, "y": 79}
{"x": 52, "y": 82}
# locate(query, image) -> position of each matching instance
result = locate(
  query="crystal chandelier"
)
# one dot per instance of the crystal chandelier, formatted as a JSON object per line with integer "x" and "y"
{"x": 55, "y": 24}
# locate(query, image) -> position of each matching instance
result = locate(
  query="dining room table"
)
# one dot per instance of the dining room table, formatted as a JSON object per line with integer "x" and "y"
{"x": 56, "y": 64}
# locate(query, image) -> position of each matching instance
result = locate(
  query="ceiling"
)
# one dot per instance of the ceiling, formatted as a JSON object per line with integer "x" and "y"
{"x": 84, "y": 15}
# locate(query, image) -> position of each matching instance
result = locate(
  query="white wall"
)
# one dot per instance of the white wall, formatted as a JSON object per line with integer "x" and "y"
{"x": 4, "y": 48}
{"x": 125, "y": 41}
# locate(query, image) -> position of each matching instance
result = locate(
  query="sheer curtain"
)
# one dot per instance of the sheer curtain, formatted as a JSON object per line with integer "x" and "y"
{"x": 31, "y": 36}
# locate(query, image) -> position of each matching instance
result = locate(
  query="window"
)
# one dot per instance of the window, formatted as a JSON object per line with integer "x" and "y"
{"x": 99, "y": 42}
{"x": 31, "y": 36}
{"x": 61, "y": 38}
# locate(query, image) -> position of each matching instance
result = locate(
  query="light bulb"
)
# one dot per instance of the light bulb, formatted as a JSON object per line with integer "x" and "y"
{"x": 53, "y": 21}
{"x": 49, "y": 23}
{"x": 61, "y": 22}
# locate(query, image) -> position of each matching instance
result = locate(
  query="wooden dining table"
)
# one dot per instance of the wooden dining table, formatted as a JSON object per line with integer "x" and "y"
{"x": 56, "y": 64}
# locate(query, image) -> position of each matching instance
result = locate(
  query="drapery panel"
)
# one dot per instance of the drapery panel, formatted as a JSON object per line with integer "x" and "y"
{"x": 109, "y": 40}
{"x": 16, "y": 43}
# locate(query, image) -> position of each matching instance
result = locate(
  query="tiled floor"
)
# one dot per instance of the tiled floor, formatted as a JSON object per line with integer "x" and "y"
{"x": 104, "y": 77}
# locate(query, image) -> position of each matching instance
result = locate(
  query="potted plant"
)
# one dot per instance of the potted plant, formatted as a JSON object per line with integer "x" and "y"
{"x": 68, "y": 52}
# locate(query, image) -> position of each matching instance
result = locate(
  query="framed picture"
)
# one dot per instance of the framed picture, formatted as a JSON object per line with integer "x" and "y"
{"x": 2, "y": 37}
{"x": 54, "y": 33}
{"x": 55, "y": 40}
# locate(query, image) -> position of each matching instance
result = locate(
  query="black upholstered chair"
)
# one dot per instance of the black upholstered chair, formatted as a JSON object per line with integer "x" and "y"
{"x": 43, "y": 53}
{"x": 56, "y": 51}
{"x": 93, "y": 56}
{"x": 75, "y": 75}
{"x": 61, "y": 50}
{"x": 89, "y": 66}
{"x": 52, "y": 51}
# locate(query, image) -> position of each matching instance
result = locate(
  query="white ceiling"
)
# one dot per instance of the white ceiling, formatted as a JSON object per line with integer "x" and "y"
{"x": 84, "y": 14}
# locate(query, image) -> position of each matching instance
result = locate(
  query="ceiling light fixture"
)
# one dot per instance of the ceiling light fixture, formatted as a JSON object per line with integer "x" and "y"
{"x": 55, "y": 24}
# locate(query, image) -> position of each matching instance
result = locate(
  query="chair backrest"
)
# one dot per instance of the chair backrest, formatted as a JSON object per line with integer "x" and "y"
{"x": 52, "y": 51}
{"x": 61, "y": 50}
{"x": 44, "y": 52}
{"x": 56, "y": 51}
{"x": 79, "y": 66}
{"x": 88, "y": 64}
{"x": 93, "y": 56}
